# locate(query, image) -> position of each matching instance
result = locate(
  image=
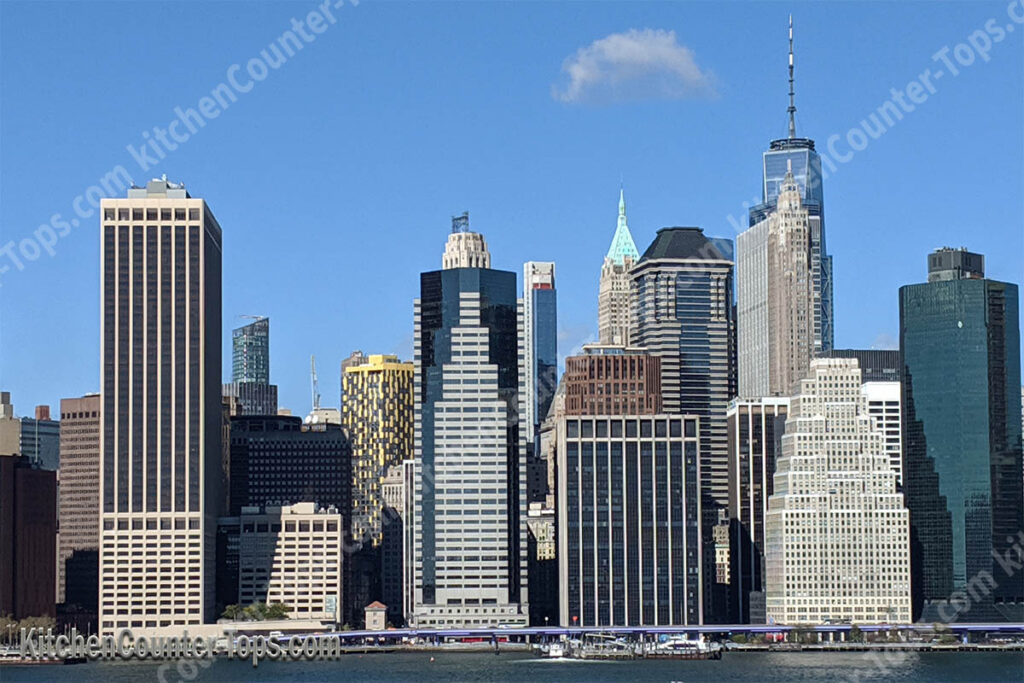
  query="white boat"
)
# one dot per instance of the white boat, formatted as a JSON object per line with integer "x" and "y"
{"x": 555, "y": 650}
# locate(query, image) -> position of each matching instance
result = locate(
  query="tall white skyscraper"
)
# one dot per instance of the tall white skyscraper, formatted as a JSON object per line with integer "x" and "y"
{"x": 160, "y": 435}
{"x": 837, "y": 535}
{"x": 613, "y": 311}
{"x": 469, "y": 526}
{"x": 776, "y": 298}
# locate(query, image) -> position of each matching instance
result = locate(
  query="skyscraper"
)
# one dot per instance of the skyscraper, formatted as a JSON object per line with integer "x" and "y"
{"x": 682, "y": 310}
{"x": 540, "y": 317}
{"x": 470, "y": 484}
{"x": 376, "y": 412}
{"x": 250, "y": 369}
{"x": 682, "y": 307}
{"x": 540, "y": 343}
{"x": 160, "y": 439}
{"x": 836, "y": 530}
{"x": 78, "y": 492}
{"x": 775, "y": 298}
{"x": 798, "y": 156}
{"x": 960, "y": 347}
{"x": 629, "y": 508}
{"x": 250, "y": 352}
{"x": 613, "y": 309}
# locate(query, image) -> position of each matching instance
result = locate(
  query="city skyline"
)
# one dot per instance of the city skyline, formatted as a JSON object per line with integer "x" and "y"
{"x": 713, "y": 431}
{"x": 577, "y": 200}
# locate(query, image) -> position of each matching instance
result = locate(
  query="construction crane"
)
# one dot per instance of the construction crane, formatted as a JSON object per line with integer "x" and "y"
{"x": 316, "y": 392}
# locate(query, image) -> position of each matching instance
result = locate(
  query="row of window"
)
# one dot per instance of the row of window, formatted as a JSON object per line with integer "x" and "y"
{"x": 110, "y": 214}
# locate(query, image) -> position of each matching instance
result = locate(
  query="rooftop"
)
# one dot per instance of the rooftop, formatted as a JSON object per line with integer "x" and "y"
{"x": 683, "y": 243}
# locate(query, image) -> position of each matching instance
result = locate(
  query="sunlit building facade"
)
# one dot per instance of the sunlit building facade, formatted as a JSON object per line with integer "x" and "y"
{"x": 837, "y": 542}
{"x": 160, "y": 438}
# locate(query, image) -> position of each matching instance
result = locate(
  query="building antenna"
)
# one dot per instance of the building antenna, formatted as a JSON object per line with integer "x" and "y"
{"x": 792, "y": 106}
{"x": 316, "y": 391}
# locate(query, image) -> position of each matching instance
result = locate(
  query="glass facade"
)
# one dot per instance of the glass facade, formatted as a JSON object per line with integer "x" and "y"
{"x": 799, "y": 153}
{"x": 250, "y": 352}
{"x": 468, "y": 437}
{"x": 960, "y": 352}
{"x": 545, "y": 350}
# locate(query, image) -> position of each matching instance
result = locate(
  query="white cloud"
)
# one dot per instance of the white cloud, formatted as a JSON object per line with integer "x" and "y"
{"x": 885, "y": 342}
{"x": 646, "y": 64}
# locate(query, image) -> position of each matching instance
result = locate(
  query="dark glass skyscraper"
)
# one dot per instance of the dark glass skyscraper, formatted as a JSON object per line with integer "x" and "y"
{"x": 470, "y": 546}
{"x": 250, "y": 369}
{"x": 540, "y": 343}
{"x": 540, "y": 302}
{"x": 960, "y": 351}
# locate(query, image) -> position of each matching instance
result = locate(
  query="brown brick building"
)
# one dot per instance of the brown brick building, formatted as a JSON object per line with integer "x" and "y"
{"x": 612, "y": 380}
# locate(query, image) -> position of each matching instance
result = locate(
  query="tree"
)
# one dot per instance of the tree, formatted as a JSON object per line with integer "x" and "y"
{"x": 739, "y": 638}
{"x": 277, "y": 610}
{"x": 232, "y": 612}
{"x": 8, "y": 628}
{"x": 856, "y": 635}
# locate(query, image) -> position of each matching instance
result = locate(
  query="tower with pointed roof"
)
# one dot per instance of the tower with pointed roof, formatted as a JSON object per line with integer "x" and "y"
{"x": 798, "y": 156}
{"x": 613, "y": 316}
{"x": 777, "y": 341}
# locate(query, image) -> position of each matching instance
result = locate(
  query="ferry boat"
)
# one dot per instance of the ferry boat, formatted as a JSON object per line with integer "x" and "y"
{"x": 683, "y": 648}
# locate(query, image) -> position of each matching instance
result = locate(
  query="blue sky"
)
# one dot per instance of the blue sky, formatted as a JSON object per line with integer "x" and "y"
{"x": 335, "y": 178}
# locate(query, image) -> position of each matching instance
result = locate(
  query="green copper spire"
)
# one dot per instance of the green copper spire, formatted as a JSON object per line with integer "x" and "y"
{"x": 622, "y": 244}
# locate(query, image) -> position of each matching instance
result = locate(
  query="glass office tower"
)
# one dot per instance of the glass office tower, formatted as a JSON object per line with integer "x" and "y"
{"x": 960, "y": 350}
{"x": 250, "y": 352}
{"x": 540, "y": 306}
{"x": 798, "y": 154}
{"x": 469, "y": 546}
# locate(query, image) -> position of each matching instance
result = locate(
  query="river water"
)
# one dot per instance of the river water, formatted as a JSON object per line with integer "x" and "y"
{"x": 456, "y": 667}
